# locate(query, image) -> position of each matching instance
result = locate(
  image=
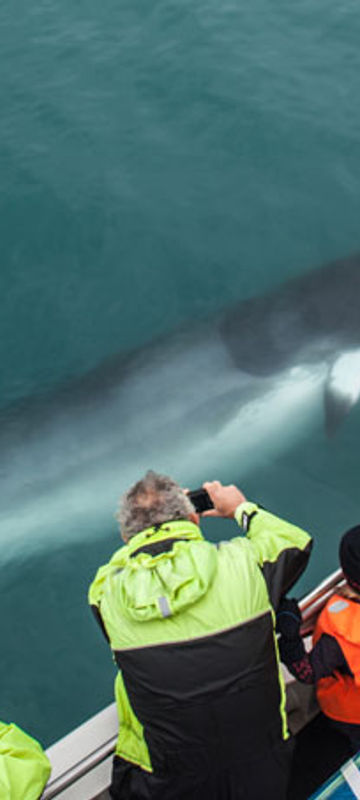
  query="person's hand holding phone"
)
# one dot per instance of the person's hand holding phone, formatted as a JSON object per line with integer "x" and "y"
{"x": 225, "y": 499}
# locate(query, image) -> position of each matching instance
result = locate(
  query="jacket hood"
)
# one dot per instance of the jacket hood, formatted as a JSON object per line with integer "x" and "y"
{"x": 157, "y": 586}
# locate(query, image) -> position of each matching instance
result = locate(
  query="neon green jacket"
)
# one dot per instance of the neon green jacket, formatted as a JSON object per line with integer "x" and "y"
{"x": 24, "y": 767}
{"x": 191, "y": 627}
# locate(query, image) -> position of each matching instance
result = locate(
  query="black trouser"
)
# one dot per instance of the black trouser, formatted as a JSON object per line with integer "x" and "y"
{"x": 350, "y": 730}
{"x": 265, "y": 775}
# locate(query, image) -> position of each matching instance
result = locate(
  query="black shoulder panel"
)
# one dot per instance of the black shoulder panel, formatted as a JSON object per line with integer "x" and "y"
{"x": 280, "y": 575}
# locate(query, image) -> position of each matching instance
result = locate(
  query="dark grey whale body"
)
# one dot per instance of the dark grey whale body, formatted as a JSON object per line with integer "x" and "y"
{"x": 184, "y": 403}
{"x": 319, "y": 309}
{"x": 314, "y": 316}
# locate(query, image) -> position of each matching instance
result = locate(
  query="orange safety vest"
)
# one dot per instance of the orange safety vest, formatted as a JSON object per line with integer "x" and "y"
{"x": 339, "y": 694}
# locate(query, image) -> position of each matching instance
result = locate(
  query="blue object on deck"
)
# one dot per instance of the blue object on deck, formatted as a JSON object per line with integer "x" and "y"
{"x": 344, "y": 784}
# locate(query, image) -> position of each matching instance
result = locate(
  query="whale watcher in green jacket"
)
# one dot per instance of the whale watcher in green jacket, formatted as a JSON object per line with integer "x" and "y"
{"x": 24, "y": 767}
{"x": 191, "y": 624}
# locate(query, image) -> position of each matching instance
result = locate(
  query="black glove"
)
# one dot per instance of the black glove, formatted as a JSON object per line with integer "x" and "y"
{"x": 288, "y": 619}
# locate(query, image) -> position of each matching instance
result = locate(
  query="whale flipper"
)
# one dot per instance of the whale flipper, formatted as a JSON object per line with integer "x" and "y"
{"x": 342, "y": 389}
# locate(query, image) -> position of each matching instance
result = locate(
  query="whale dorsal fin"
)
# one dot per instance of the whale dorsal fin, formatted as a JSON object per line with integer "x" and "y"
{"x": 342, "y": 389}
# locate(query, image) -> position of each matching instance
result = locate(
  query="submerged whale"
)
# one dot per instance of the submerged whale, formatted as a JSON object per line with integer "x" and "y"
{"x": 246, "y": 384}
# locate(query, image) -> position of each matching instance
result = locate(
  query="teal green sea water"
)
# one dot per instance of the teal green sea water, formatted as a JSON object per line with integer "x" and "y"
{"x": 158, "y": 164}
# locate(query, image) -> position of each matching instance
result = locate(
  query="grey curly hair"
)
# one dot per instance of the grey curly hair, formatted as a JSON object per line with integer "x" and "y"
{"x": 151, "y": 501}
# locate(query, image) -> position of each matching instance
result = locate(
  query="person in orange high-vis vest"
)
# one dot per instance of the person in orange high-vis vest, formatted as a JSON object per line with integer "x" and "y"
{"x": 334, "y": 662}
{"x": 339, "y": 694}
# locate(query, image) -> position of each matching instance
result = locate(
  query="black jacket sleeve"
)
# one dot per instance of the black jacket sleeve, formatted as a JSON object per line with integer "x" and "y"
{"x": 323, "y": 660}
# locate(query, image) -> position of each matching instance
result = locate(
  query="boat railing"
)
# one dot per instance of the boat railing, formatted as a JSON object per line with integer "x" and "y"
{"x": 314, "y": 601}
{"x": 81, "y": 761}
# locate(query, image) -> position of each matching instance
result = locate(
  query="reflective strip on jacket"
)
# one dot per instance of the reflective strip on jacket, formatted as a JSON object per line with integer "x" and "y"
{"x": 24, "y": 767}
{"x": 191, "y": 626}
{"x": 339, "y": 695}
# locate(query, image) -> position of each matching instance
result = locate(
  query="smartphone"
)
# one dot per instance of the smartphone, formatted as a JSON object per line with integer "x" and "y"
{"x": 201, "y": 500}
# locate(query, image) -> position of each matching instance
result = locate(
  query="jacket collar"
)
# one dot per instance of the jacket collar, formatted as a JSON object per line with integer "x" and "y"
{"x": 178, "y": 529}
